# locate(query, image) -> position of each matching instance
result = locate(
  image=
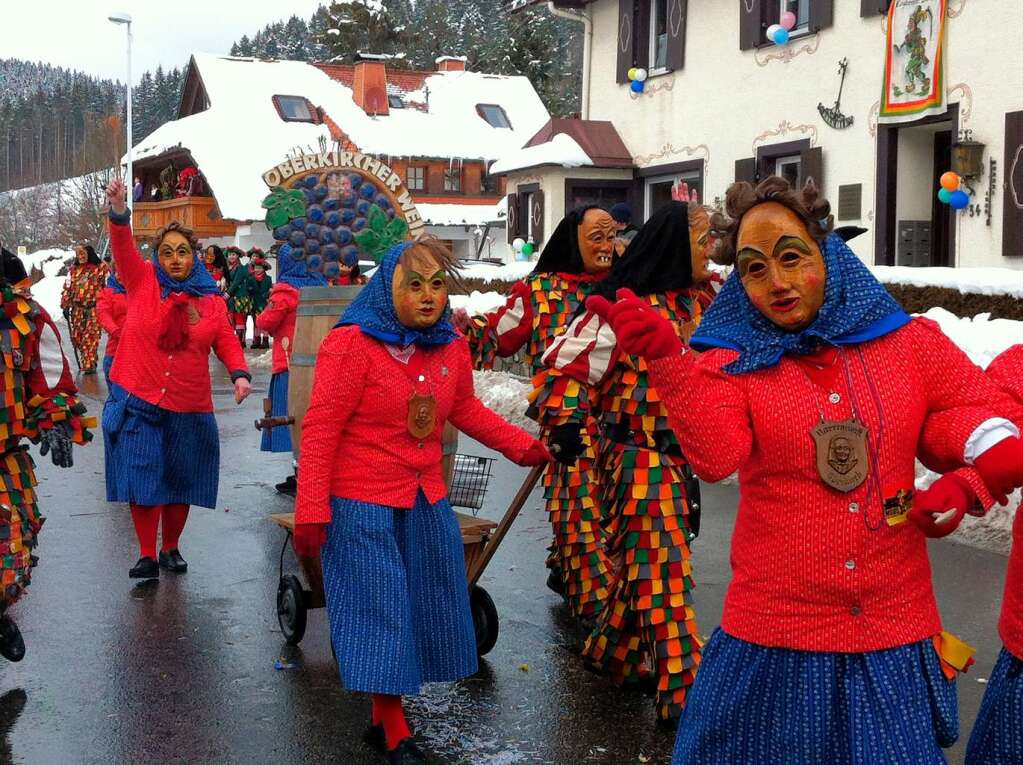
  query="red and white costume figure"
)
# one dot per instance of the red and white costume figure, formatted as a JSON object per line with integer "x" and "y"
{"x": 387, "y": 379}
{"x": 575, "y": 258}
{"x": 162, "y": 445}
{"x": 39, "y": 406}
{"x": 649, "y": 620}
{"x": 817, "y": 389}
{"x": 111, "y": 308}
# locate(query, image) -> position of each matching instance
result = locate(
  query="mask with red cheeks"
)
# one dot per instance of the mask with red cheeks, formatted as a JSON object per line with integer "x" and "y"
{"x": 596, "y": 240}
{"x": 420, "y": 289}
{"x": 175, "y": 255}
{"x": 81, "y": 256}
{"x": 700, "y": 245}
{"x": 780, "y": 266}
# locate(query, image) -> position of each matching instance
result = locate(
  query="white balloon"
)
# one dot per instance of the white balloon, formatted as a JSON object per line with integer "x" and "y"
{"x": 641, "y": 75}
{"x": 771, "y": 30}
{"x": 518, "y": 244}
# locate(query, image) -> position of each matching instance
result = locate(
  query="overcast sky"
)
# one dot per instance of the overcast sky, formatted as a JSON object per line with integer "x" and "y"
{"x": 76, "y": 34}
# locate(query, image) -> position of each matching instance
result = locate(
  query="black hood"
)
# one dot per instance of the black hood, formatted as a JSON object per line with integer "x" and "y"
{"x": 13, "y": 268}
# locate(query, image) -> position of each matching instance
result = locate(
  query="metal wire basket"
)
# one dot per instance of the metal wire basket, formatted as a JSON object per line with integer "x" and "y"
{"x": 470, "y": 481}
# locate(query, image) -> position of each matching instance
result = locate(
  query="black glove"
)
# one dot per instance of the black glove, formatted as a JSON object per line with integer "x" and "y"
{"x": 57, "y": 441}
{"x": 567, "y": 443}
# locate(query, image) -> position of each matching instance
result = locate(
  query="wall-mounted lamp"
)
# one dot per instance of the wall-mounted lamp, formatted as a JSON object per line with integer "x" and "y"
{"x": 968, "y": 160}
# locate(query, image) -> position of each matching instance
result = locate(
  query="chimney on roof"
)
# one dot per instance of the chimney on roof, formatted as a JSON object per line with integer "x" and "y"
{"x": 451, "y": 64}
{"x": 369, "y": 87}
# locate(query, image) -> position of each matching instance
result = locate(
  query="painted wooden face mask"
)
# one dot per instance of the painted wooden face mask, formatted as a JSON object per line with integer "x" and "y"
{"x": 420, "y": 290}
{"x": 781, "y": 266}
{"x": 700, "y": 245}
{"x": 596, "y": 240}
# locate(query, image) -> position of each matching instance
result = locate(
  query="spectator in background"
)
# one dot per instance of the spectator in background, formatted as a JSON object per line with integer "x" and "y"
{"x": 137, "y": 191}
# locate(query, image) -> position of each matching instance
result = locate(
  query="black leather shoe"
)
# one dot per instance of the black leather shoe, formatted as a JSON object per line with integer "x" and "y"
{"x": 12, "y": 645}
{"x": 288, "y": 487}
{"x": 406, "y": 753}
{"x": 172, "y": 561}
{"x": 146, "y": 568}
{"x": 554, "y": 583}
{"x": 374, "y": 737}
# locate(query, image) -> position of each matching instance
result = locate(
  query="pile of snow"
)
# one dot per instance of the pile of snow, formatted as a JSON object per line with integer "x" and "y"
{"x": 47, "y": 291}
{"x": 459, "y": 215}
{"x": 981, "y": 338}
{"x": 506, "y": 395}
{"x": 492, "y": 272}
{"x": 980, "y": 281}
{"x": 478, "y": 302}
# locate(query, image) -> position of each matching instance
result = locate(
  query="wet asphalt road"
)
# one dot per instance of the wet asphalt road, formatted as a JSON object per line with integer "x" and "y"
{"x": 183, "y": 671}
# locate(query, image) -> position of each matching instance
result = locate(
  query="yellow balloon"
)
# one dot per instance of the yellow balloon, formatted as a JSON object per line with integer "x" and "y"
{"x": 632, "y": 73}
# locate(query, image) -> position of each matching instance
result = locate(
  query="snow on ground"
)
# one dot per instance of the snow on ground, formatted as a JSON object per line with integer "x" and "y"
{"x": 506, "y": 395}
{"x": 489, "y": 272}
{"x": 983, "y": 281}
{"x": 478, "y": 302}
{"x": 47, "y": 290}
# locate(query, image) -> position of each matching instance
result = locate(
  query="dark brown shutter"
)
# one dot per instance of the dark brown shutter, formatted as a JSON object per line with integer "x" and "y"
{"x": 1012, "y": 198}
{"x": 512, "y": 220}
{"x": 822, "y": 14}
{"x": 626, "y": 38}
{"x": 677, "y": 13}
{"x": 751, "y": 28}
{"x": 873, "y": 7}
{"x": 811, "y": 165}
{"x": 746, "y": 170}
{"x": 536, "y": 214}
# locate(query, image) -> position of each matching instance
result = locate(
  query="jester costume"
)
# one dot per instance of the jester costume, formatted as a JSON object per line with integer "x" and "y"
{"x": 537, "y": 311}
{"x": 39, "y": 405}
{"x": 78, "y": 302}
{"x": 649, "y": 624}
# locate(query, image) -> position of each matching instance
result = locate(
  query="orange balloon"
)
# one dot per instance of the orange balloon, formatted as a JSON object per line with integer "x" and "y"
{"x": 949, "y": 181}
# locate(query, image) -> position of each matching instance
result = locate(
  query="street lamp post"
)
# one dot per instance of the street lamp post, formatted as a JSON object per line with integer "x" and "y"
{"x": 129, "y": 181}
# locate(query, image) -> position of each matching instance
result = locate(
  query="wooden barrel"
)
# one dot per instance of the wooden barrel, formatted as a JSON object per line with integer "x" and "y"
{"x": 318, "y": 311}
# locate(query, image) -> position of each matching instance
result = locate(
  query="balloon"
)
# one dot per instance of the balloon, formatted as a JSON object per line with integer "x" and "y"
{"x": 781, "y": 36}
{"x": 788, "y": 20}
{"x": 949, "y": 181}
{"x": 641, "y": 75}
{"x": 944, "y": 195}
{"x": 528, "y": 249}
{"x": 637, "y": 86}
{"x": 632, "y": 73}
{"x": 771, "y": 30}
{"x": 518, "y": 244}
{"x": 958, "y": 199}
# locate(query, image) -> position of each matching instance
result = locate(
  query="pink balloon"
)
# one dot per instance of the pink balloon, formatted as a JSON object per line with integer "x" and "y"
{"x": 788, "y": 20}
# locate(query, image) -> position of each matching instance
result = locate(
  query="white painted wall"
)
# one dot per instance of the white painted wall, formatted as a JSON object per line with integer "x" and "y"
{"x": 726, "y": 100}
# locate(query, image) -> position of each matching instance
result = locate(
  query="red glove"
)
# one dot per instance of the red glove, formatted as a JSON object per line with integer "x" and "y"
{"x": 949, "y": 492}
{"x": 308, "y": 538}
{"x": 536, "y": 454}
{"x": 1001, "y": 467}
{"x": 640, "y": 330}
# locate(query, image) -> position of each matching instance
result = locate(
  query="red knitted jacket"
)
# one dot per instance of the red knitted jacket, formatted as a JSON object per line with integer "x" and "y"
{"x": 815, "y": 569}
{"x": 1007, "y": 372}
{"x": 179, "y": 381}
{"x": 355, "y": 440}
{"x": 111, "y": 307}
{"x": 279, "y": 318}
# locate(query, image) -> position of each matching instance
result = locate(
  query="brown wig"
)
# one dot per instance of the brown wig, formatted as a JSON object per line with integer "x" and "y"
{"x": 742, "y": 197}
{"x": 438, "y": 251}
{"x": 174, "y": 226}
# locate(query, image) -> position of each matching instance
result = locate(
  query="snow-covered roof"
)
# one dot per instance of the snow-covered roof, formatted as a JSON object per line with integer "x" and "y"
{"x": 460, "y": 215}
{"x": 561, "y": 150}
{"x": 241, "y": 135}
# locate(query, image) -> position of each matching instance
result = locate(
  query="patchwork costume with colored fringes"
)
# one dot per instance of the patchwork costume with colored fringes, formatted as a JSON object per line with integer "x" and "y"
{"x": 649, "y": 622}
{"x": 38, "y": 392}
{"x": 84, "y": 284}
{"x": 537, "y": 311}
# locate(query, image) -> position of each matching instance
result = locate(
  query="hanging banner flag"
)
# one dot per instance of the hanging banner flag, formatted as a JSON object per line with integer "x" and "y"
{"x": 914, "y": 69}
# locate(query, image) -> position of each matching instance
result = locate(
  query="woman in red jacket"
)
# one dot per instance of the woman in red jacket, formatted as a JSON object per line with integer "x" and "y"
{"x": 387, "y": 379}
{"x": 819, "y": 390}
{"x": 111, "y": 307}
{"x": 162, "y": 446}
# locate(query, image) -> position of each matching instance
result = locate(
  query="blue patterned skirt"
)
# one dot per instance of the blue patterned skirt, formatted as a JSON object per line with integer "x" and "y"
{"x": 753, "y": 705}
{"x": 278, "y": 439}
{"x": 158, "y": 457}
{"x": 997, "y": 737}
{"x": 108, "y": 362}
{"x": 397, "y": 597}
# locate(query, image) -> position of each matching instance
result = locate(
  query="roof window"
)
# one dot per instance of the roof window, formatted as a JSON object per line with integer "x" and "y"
{"x": 494, "y": 115}
{"x": 395, "y": 102}
{"x": 296, "y": 109}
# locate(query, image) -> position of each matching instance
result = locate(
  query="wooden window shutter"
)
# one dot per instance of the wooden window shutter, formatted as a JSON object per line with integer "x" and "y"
{"x": 873, "y": 7}
{"x": 746, "y": 170}
{"x": 677, "y": 13}
{"x": 512, "y": 220}
{"x": 822, "y": 14}
{"x": 811, "y": 165}
{"x": 751, "y": 28}
{"x": 626, "y": 38}
{"x": 1012, "y": 201}
{"x": 536, "y": 215}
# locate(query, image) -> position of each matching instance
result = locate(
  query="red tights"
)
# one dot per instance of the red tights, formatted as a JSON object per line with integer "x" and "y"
{"x": 147, "y": 521}
{"x": 387, "y": 712}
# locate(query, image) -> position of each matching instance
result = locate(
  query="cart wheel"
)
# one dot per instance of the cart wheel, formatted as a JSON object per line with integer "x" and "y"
{"x": 291, "y": 610}
{"x": 484, "y": 619}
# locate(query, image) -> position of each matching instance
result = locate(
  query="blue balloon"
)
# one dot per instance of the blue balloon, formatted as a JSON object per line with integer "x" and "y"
{"x": 781, "y": 36}
{"x": 958, "y": 199}
{"x": 637, "y": 86}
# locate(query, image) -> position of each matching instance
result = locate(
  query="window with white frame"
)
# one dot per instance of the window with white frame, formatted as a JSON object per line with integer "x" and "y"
{"x": 657, "y": 189}
{"x": 415, "y": 178}
{"x": 788, "y": 168}
{"x": 658, "y": 36}
{"x": 801, "y": 10}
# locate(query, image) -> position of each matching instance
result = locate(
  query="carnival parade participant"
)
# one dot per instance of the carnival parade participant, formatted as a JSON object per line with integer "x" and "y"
{"x": 111, "y": 308}
{"x": 85, "y": 280}
{"x": 237, "y": 314}
{"x": 649, "y": 620}
{"x": 538, "y": 309}
{"x": 261, "y": 286}
{"x": 278, "y": 319}
{"x": 162, "y": 446}
{"x": 348, "y": 271}
{"x": 831, "y": 646}
{"x": 216, "y": 264}
{"x": 41, "y": 407}
{"x": 387, "y": 379}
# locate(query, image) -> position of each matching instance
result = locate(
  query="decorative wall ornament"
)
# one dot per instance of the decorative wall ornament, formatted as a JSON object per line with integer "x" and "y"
{"x": 954, "y": 11}
{"x": 832, "y": 115}
{"x": 875, "y": 110}
{"x": 665, "y": 82}
{"x": 965, "y": 102}
{"x": 784, "y": 128}
{"x": 670, "y": 150}
{"x": 789, "y": 52}
{"x": 675, "y": 17}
